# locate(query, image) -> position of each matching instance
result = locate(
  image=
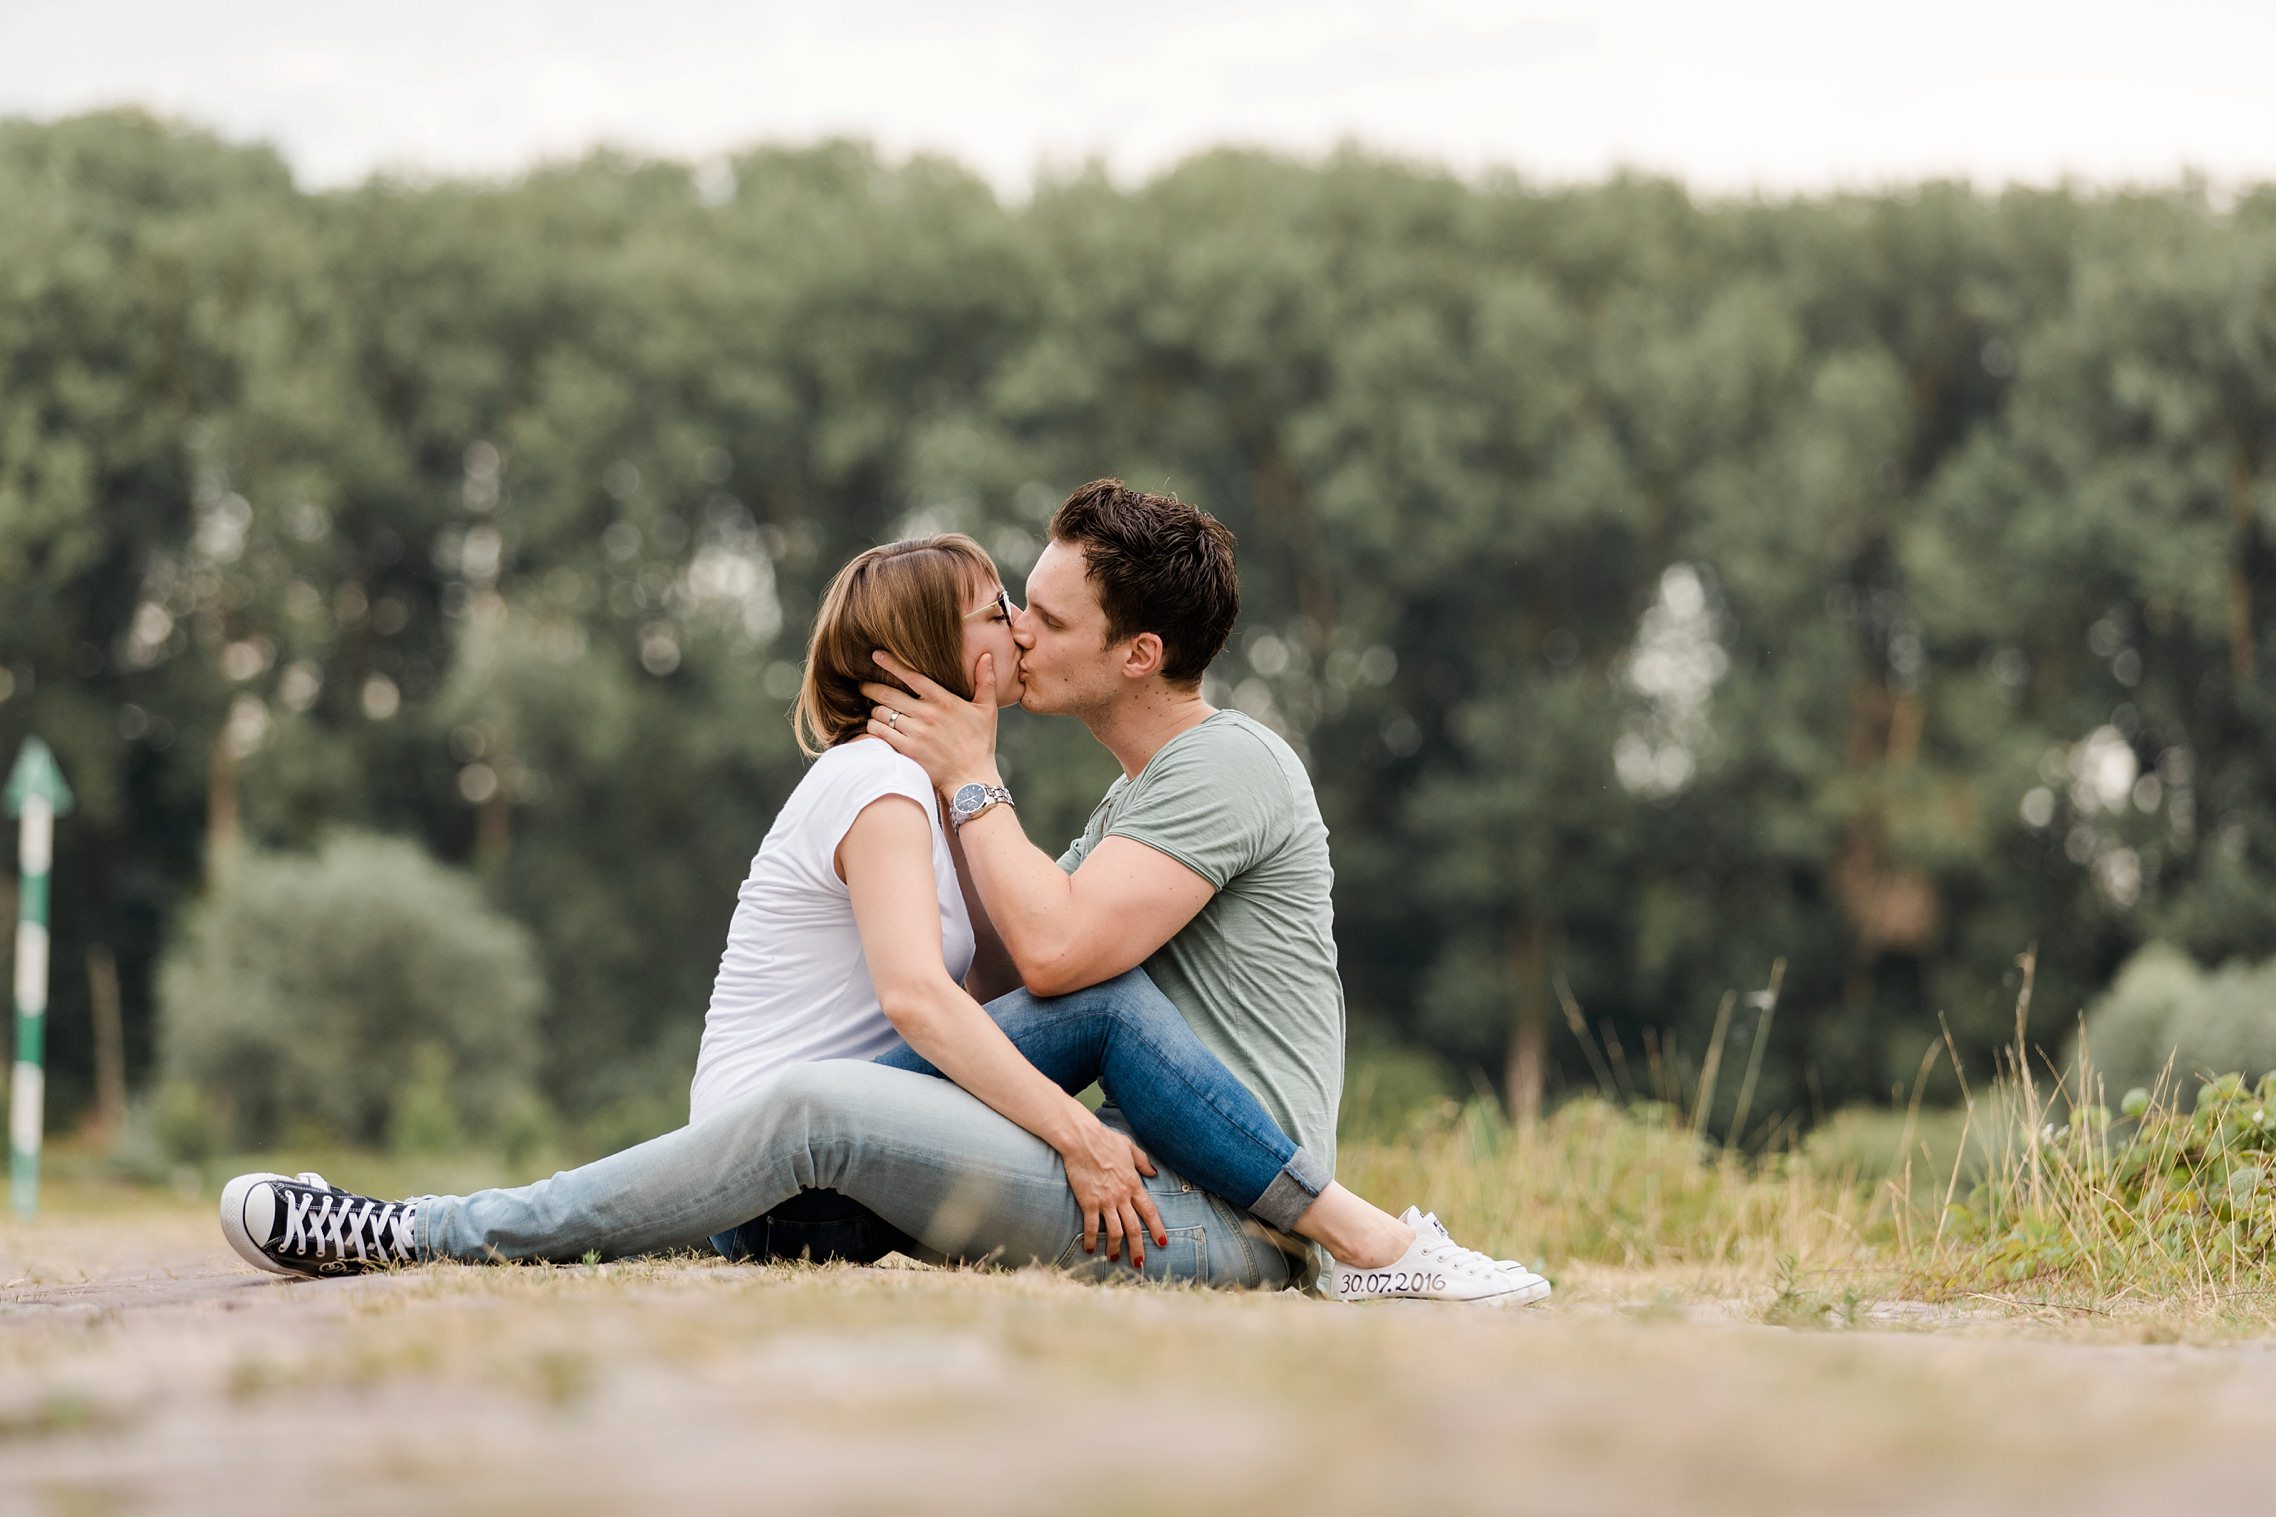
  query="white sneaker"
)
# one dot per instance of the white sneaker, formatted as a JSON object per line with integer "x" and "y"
{"x": 1436, "y": 1268}
{"x": 1427, "y": 1222}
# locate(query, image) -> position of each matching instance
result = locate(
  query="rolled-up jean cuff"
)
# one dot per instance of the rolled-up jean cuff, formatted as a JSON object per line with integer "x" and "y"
{"x": 1292, "y": 1191}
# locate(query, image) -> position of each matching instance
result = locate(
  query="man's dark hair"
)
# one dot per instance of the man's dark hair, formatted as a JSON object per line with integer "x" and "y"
{"x": 1160, "y": 565}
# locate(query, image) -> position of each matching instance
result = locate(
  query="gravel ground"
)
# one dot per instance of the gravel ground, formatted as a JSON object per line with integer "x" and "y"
{"x": 143, "y": 1370}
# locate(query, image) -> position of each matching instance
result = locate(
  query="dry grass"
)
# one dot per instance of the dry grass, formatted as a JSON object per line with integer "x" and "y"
{"x": 142, "y": 1369}
{"x": 2042, "y": 1194}
{"x": 1635, "y": 1190}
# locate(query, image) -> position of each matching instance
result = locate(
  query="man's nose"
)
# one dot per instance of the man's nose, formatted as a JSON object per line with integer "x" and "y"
{"x": 1023, "y": 628}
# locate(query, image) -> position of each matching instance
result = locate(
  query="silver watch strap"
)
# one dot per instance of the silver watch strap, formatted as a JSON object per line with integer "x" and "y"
{"x": 991, "y": 797}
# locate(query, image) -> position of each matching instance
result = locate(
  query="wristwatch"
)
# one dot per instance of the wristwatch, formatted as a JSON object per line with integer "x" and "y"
{"x": 972, "y": 800}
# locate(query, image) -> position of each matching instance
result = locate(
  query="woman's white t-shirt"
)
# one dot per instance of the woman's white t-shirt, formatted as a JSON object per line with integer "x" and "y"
{"x": 793, "y": 985}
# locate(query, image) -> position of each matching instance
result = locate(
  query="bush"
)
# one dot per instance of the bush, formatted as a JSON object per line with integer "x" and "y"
{"x": 167, "y": 1134}
{"x": 1919, "y": 1152}
{"x": 425, "y": 1119}
{"x": 364, "y": 991}
{"x": 182, "y": 1122}
{"x": 2180, "y": 1191}
{"x": 2163, "y": 1008}
{"x": 631, "y": 1119}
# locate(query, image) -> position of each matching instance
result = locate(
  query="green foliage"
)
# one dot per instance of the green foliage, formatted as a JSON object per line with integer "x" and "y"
{"x": 1796, "y": 1304}
{"x": 1915, "y": 1156}
{"x": 360, "y": 991}
{"x": 2165, "y": 1022}
{"x": 633, "y": 1118}
{"x": 527, "y": 1130}
{"x": 1389, "y": 1089}
{"x": 1659, "y": 588}
{"x": 2181, "y": 1191}
{"x": 425, "y": 1117}
{"x": 183, "y": 1124}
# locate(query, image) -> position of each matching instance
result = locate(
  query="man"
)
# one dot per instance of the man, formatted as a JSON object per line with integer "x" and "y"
{"x": 1206, "y": 862}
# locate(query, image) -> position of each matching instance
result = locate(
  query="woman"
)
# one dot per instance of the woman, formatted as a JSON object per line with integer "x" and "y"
{"x": 855, "y": 937}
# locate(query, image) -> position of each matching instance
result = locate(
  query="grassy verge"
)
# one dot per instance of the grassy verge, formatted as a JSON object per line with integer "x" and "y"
{"x": 2036, "y": 1195}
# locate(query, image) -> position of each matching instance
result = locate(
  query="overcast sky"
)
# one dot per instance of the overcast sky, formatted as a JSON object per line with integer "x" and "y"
{"x": 1772, "y": 94}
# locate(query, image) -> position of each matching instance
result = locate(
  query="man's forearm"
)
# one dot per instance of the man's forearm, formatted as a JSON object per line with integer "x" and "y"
{"x": 1028, "y": 896}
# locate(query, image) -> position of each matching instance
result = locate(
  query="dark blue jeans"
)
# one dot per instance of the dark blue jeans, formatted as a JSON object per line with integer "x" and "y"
{"x": 1182, "y": 1104}
{"x": 820, "y": 1225}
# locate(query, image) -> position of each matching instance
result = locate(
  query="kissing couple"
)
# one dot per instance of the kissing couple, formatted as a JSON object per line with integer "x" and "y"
{"x": 912, "y": 992}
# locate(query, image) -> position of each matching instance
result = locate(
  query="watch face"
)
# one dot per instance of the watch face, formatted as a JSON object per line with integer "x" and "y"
{"x": 969, "y": 797}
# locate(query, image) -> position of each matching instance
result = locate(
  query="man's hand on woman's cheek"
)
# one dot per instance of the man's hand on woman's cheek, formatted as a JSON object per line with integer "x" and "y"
{"x": 953, "y": 738}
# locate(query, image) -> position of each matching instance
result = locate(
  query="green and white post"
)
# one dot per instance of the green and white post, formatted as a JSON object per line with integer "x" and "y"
{"x": 37, "y": 794}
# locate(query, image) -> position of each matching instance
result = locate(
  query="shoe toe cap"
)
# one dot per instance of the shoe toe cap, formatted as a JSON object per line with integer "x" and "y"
{"x": 258, "y": 1211}
{"x": 249, "y": 1218}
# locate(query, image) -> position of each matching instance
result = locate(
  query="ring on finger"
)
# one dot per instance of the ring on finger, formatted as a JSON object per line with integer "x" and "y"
{"x": 893, "y": 718}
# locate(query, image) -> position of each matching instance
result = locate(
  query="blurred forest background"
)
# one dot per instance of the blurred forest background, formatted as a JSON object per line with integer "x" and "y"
{"x": 411, "y": 582}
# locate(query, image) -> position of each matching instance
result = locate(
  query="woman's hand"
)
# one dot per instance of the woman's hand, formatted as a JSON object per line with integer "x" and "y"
{"x": 1106, "y": 1171}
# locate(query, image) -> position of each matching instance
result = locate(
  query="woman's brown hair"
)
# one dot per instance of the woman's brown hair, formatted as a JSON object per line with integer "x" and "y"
{"x": 906, "y": 598}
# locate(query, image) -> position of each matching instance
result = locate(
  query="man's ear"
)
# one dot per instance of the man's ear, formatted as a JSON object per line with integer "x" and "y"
{"x": 1145, "y": 656}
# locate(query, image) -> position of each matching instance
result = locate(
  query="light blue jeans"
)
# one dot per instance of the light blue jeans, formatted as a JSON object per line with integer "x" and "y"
{"x": 928, "y": 1158}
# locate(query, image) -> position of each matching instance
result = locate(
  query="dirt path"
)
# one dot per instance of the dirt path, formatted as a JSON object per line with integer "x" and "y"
{"x": 140, "y": 1370}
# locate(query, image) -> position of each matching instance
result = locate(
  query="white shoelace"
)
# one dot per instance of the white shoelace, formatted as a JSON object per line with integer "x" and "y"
{"x": 1448, "y": 1254}
{"x": 1469, "y": 1257}
{"x": 340, "y": 1226}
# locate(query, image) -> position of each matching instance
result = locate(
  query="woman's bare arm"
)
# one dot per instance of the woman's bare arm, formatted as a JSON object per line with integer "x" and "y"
{"x": 993, "y": 972}
{"x": 886, "y": 861}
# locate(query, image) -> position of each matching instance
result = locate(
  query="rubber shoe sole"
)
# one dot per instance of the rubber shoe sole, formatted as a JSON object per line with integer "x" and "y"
{"x": 1531, "y": 1295}
{"x": 241, "y": 1226}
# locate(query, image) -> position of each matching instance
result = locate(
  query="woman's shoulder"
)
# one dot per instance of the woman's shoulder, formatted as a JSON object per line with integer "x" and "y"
{"x": 869, "y": 767}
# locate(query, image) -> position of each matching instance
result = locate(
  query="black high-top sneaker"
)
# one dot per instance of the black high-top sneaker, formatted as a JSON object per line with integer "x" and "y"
{"x": 305, "y": 1226}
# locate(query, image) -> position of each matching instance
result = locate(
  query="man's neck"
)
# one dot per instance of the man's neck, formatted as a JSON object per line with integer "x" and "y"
{"x": 1136, "y": 729}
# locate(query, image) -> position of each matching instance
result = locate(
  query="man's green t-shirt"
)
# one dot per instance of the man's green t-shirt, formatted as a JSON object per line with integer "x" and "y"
{"x": 1255, "y": 971}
